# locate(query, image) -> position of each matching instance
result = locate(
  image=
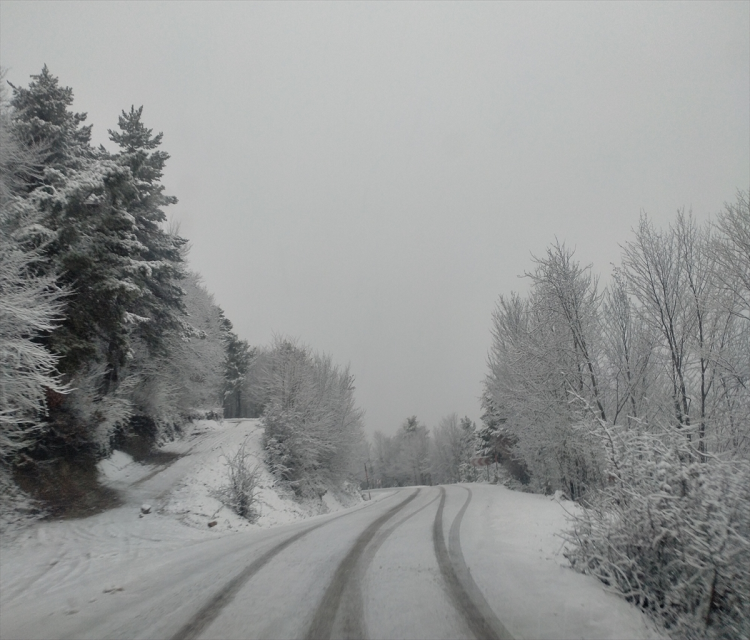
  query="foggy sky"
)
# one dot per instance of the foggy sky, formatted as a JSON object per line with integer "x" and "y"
{"x": 369, "y": 178}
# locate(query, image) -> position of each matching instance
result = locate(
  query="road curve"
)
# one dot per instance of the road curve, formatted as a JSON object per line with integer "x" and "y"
{"x": 465, "y": 595}
{"x": 391, "y": 568}
{"x": 323, "y": 582}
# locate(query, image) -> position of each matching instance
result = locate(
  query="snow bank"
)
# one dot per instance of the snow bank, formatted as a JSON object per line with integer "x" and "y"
{"x": 121, "y": 468}
{"x": 193, "y": 499}
{"x": 186, "y": 486}
{"x": 516, "y": 550}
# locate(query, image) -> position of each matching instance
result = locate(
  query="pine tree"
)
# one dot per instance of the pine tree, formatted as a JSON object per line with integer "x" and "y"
{"x": 469, "y": 441}
{"x": 156, "y": 259}
{"x": 71, "y": 188}
{"x": 29, "y": 306}
{"x": 105, "y": 213}
{"x": 101, "y": 217}
{"x": 236, "y": 365}
{"x": 42, "y": 120}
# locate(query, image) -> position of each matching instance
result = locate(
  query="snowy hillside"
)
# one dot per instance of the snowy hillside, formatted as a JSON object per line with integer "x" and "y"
{"x": 184, "y": 487}
{"x": 180, "y": 493}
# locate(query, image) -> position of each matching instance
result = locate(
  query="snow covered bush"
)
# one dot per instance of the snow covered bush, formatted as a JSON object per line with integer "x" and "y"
{"x": 239, "y": 494}
{"x": 670, "y": 533}
{"x": 313, "y": 429}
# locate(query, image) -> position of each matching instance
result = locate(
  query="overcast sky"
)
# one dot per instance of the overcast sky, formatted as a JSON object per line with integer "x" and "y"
{"x": 369, "y": 178}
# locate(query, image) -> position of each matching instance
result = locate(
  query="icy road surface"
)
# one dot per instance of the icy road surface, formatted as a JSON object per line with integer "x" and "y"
{"x": 428, "y": 562}
{"x": 460, "y": 561}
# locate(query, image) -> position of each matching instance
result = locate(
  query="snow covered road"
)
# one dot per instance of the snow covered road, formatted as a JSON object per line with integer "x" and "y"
{"x": 430, "y": 562}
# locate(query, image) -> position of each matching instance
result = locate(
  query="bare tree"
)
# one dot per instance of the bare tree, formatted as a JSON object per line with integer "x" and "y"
{"x": 540, "y": 379}
{"x": 732, "y": 250}
{"x": 568, "y": 295}
{"x": 447, "y": 450}
{"x": 628, "y": 346}
{"x": 711, "y": 323}
{"x": 679, "y": 281}
{"x": 240, "y": 491}
{"x": 653, "y": 264}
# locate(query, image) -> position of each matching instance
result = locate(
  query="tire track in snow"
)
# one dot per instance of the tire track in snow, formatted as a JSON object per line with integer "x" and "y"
{"x": 325, "y": 616}
{"x": 463, "y": 591}
{"x": 211, "y": 610}
{"x": 350, "y": 616}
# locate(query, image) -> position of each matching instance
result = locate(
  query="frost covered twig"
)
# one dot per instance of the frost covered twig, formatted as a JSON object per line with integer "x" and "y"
{"x": 239, "y": 494}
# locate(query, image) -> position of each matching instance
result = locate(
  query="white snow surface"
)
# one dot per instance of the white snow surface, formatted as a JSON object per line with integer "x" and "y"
{"x": 203, "y": 470}
{"x": 186, "y": 488}
{"x": 181, "y": 495}
{"x": 515, "y": 555}
{"x": 57, "y": 569}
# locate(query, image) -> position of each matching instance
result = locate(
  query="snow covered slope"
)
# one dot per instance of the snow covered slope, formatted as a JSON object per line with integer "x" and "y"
{"x": 515, "y": 553}
{"x": 185, "y": 486}
{"x": 179, "y": 492}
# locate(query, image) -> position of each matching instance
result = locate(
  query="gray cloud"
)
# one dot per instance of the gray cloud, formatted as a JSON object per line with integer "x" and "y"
{"x": 370, "y": 177}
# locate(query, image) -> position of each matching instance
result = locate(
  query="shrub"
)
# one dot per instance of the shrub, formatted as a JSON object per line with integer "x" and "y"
{"x": 239, "y": 494}
{"x": 312, "y": 427}
{"x": 671, "y": 534}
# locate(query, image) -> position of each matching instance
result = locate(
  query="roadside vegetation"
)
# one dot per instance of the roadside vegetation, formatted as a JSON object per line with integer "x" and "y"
{"x": 634, "y": 400}
{"x": 108, "y": 340}
{"x": 243, "y": 476}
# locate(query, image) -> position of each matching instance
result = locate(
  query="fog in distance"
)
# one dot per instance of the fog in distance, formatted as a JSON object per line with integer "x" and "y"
{"x": 370, "y": 177}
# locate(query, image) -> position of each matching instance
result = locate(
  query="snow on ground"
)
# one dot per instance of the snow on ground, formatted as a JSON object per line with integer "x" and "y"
{"x": 180, "y": 493}
{"x": 206, "y": 445}
{"x": 515, "y": 551}
{"x": 120, "y": 468}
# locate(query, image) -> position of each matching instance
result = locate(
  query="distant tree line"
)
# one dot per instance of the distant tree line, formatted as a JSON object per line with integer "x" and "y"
{"x": 414, "y": 456}
{"x": 635, "y": 399}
